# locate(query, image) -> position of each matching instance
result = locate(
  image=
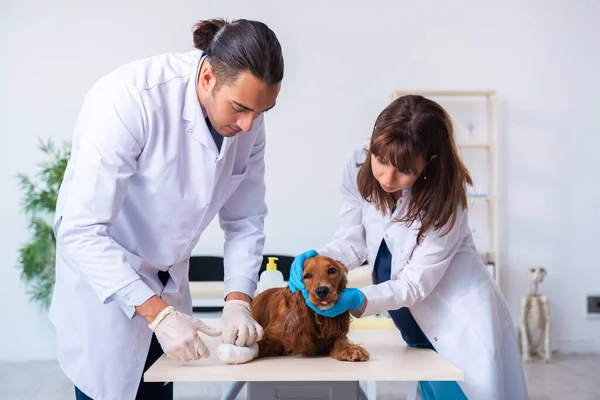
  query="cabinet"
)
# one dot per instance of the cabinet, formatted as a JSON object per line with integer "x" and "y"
{"x": 476, "y": 128}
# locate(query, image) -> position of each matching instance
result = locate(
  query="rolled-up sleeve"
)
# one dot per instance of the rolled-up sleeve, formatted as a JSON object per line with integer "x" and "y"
{"x": 242, "y": 220}
{"x": 109, "y": 137}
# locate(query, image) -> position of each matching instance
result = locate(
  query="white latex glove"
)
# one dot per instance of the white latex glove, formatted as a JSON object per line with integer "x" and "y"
{"x": 179, "y": 335}
{"x": 238, "y": 325}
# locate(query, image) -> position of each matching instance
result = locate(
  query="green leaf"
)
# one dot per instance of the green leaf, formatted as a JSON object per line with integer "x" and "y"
{"x": 39, "y": 194}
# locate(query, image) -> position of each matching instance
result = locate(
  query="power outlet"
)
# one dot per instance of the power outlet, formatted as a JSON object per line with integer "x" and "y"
{"x": 593, "y": 307}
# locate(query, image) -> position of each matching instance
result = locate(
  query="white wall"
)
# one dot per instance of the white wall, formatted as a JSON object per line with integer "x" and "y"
{"x": 343, "y": 60}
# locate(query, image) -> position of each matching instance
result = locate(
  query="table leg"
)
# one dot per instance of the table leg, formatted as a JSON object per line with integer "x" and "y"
{"x": 412, "y": 390}
{"x": 361, "y": 394}
{"x": 372, "y": 390}
{"x": 233, "y": 390}
{"x": 324, "y": 390}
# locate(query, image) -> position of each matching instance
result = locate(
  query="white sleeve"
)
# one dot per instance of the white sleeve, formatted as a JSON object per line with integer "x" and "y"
{"x": 242, "y": 220}
{"x": 109, "y": 137}
{"x": 423, "y": 271}
{"x": 349, "y": 243}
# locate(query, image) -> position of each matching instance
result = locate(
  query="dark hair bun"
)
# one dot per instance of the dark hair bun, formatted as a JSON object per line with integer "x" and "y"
{"x": 205, "y": 31}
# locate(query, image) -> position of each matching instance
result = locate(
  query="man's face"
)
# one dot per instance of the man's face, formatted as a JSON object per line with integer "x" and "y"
{"x": 234, "y": 106}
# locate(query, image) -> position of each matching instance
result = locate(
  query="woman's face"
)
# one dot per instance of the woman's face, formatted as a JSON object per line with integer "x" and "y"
{"x": 390, "y": 178}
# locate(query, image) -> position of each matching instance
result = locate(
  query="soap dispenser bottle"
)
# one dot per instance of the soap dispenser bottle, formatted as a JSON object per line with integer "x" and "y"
{"x": 271, "y": 278}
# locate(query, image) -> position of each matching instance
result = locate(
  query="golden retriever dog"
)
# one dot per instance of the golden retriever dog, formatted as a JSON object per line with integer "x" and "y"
{"x": 292, "y": 327}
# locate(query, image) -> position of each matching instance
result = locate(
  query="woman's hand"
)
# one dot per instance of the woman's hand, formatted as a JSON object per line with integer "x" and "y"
{"x": 297, "y": 269}
{"x": 348, "y": 299}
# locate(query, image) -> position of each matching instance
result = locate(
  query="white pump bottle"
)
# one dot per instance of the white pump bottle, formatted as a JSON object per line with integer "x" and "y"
{"x": 271, "y": 278}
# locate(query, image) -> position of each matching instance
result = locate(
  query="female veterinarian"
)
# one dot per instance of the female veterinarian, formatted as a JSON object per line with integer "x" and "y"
{"x": 404, "y": 210}
{"x": 156, "y": 156}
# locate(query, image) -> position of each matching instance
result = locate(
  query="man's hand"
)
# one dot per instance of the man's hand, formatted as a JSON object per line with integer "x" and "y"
{"x": 238, "y": 296}
{"x": 151, "y": 308}
{"x": 177, "y": 333}
{"x": 237, "y": 324}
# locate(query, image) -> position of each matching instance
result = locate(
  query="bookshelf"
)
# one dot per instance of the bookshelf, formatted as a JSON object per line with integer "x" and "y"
{"x": 475, "y": 117}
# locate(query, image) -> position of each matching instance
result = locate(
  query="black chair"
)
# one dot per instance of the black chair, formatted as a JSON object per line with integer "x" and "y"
{"x": 206, "y": 269}
{"x": 210, "y": 269}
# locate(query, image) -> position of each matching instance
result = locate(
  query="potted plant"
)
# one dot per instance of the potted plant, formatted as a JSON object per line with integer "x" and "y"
{"x": 37, "y": 256}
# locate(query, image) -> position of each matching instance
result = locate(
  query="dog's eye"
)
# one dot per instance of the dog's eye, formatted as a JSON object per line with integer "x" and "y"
{"x": 307, "y": 276}
{"x": 331, "y": 270}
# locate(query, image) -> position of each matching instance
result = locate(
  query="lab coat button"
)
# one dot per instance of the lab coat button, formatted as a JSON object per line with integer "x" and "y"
{"x": 435, "y": 338}
{"x": 190, "y": 130}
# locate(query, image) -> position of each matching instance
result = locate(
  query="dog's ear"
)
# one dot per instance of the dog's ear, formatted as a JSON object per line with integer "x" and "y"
{"x": 343, "y": 274}
{"x": 342, "y": 267}
{"x": 297, "y": 325}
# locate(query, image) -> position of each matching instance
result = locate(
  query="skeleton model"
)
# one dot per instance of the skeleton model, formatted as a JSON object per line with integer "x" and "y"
{"x": 535, "y": 316}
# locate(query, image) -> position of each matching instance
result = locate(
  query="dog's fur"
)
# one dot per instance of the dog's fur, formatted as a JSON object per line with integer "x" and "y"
{"x": 292, "y": 327}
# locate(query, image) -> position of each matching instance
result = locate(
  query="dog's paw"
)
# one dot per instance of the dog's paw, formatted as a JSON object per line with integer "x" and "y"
{"x": 352, "y": 353}
{"x": 232, "y": 354}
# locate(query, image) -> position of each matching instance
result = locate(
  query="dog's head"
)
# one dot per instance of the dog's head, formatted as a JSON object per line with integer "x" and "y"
{"x": 324, "y": 278}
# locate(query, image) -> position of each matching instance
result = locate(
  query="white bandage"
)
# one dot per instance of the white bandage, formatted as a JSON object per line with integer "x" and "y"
{"x": 232, "y": 354}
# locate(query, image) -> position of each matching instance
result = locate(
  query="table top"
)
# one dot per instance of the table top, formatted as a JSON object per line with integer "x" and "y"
{"x": 390, "y": 360}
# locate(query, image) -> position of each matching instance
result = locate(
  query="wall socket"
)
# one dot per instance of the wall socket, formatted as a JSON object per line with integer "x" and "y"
{"x": 593, "y": 307}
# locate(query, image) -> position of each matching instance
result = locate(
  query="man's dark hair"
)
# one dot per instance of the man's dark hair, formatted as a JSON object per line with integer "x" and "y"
{"x": 240, "y": 46}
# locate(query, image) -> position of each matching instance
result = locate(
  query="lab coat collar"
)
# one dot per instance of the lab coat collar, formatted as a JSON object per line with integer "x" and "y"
{"x": 403, "y": 201}
{"x": 193, "y": 112}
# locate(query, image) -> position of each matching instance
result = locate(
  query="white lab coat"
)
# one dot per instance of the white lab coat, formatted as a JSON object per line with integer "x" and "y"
{"x": 445, "y": 284}
{"x": 144, "y": 181}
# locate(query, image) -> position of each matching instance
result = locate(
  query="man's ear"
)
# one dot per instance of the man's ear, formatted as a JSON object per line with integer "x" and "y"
{"x": 207, "y": 78}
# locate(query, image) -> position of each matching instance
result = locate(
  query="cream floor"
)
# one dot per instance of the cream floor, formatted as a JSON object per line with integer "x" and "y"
{"x": 567, "y": 377}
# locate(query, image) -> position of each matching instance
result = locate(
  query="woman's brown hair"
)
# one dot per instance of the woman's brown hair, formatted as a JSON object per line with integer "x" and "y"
{"x": 410, "y": 127}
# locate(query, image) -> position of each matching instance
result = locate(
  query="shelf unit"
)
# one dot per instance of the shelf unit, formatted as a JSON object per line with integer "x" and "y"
{"x": 485, "y": 146}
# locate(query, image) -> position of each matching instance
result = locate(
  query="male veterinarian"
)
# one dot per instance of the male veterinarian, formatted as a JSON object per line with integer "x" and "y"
{"x": 161, "y": 146}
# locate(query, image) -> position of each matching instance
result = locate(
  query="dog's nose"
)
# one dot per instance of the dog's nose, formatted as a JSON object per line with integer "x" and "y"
{"x": 322, "y": 292}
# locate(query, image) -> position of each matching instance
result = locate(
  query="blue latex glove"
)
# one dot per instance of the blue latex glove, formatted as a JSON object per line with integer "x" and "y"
{"x": 297, "y": 269}
{"x": 350, "y": 298}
